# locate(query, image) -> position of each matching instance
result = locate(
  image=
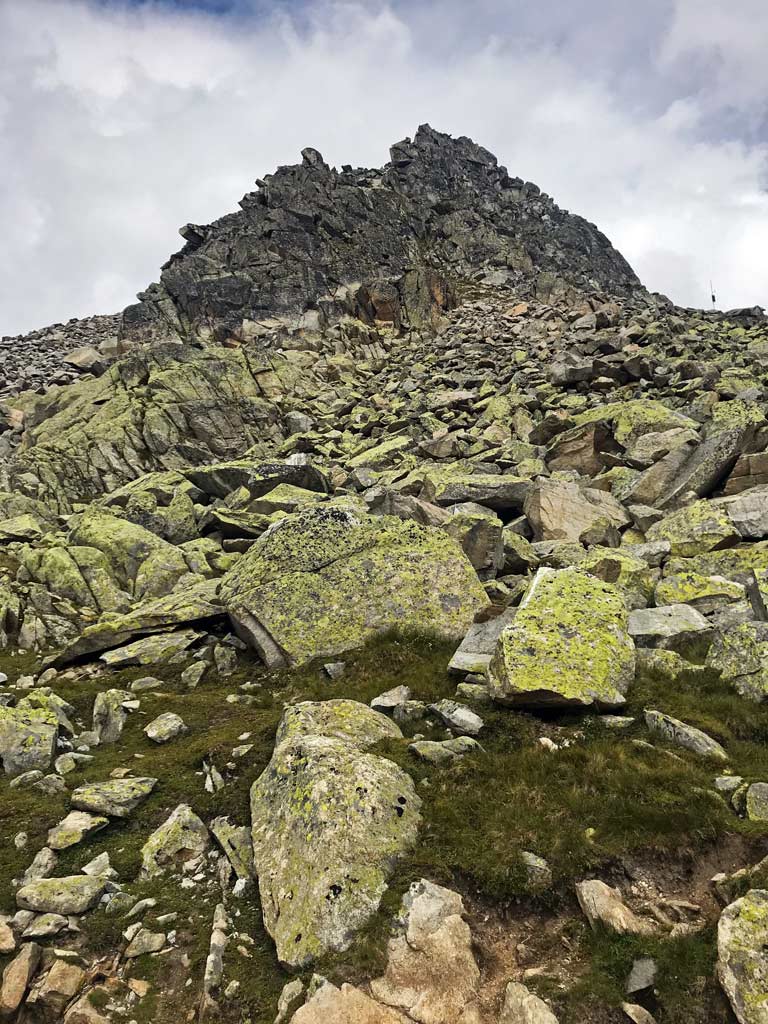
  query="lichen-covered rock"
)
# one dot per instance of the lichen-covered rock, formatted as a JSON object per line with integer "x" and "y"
{"x": 742, "y": 966}
{"x": 329, "y": 821}
{"x": 71, "y": 895}
{"x": 695, "y": 529}
{"x": 115, "y": 797}
{"x": 562, "y": 510}
{"x": 567, "y": 646}
{"x": 195, "y": 602}
{"x": 181, "y": 837}
{"x": 27, "y": 738}
{"x": 74, "y": 828}
{"x": 740, "y": 654}
{"x": 704, "y": 593}
{"x": 237, "y": 844}
{"x": 756, "y": 801}
{"x": 79, "y": 573}
{"x": 141, "y": 562}
{"x": 631, "y": 420}
{"x": 109, "y": 714}
{"x": 324, "y": 581}
{"x": 165, "y": 727}
{"x": 630, "y": 574}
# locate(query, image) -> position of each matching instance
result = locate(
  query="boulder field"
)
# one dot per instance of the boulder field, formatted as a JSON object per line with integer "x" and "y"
{"x": 384, "y": 625}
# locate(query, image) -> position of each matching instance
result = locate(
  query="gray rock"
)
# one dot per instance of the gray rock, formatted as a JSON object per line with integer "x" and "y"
{"x": 73, "y": 829}
{"x": 757, "y": 801}
{"x": 521, "y": 1006}
{"x": 603, "y": 906}
{"x": 17, "y": 977}
{"x": 642, "y": 976}
{"x": 144, "y": 942}
{"x": 742, "y": 935}
{"x": 165, "y": 727}
{"x": 181, "y": 837}
{"x": 457, "y": 717}
{"x": 109, "y": 715}
{"x": 193, "y": 675}
{"x": 236, "y": 842}
{"x": 675, "y": 627}
{"x": 27, "y": 738}
{"x": 475, "y": 651}
{"x": 115, "y": 798}
{"x": 322, "y": 863}
{"x": 387, "y": 702}
{"x": 682, "y": 735}
{"x": 290, "y": 1000}
{"x": 45, "y": 925}
{"x": 71, "y": 895}
{"x": 538, "y": 872}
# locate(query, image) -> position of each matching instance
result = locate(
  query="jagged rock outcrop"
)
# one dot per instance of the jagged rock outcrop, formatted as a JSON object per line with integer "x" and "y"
{"x": 313, "y": 243}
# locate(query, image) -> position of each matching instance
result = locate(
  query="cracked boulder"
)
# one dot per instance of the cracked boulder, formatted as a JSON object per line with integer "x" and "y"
{"x": 568, "y": 645}
{"x": 326, "y": 580}
{"x": 329, "y": 820}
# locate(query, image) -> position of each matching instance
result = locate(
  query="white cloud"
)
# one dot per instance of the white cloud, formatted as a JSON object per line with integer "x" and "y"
{"x": 117, "y": 125}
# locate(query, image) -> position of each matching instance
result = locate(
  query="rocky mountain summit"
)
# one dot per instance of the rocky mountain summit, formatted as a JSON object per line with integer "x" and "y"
{"x": 384, "y": 610}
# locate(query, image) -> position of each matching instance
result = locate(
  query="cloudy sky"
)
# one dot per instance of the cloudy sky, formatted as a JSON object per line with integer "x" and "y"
{"x": 121, "y": 120}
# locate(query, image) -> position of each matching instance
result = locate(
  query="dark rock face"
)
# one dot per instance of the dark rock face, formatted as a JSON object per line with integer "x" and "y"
{"x": 313, "y": 243}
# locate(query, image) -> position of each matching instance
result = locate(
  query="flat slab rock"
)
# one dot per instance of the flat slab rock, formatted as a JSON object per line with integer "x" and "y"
{"x": 568, "y": 645}
{"x": 74, "y": 894}
{"x": 115, "y": 797}
{"x": 329, "y": 822}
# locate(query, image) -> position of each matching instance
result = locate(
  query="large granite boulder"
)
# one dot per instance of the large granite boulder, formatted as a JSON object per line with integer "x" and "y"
{"x": 325, "y": 580}
{"x": 329, "y": 821}
{"x": 568, "y": 645}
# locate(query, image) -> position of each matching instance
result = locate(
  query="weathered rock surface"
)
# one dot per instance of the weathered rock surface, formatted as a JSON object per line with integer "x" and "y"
{"x": 72, "y": 895}
{"x": 742, "y": 934}
{"x": 325, "y": 581}
{"x": 567, "y": 646}
{"x": 116, "y": 798}
{"x": 182, "y": 837}
{"x": 329, "y": 822}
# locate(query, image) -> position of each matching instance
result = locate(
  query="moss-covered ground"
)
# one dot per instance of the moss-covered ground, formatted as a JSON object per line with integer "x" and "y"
{"x": 597, "y": 799}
